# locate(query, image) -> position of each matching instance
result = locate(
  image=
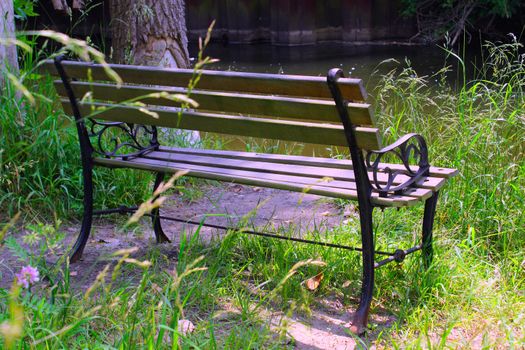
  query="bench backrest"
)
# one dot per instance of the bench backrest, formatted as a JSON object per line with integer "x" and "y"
{"x": 274, "y": 106}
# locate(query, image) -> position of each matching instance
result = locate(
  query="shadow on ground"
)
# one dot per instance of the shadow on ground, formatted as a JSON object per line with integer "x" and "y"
{"x": 230, "y": 205}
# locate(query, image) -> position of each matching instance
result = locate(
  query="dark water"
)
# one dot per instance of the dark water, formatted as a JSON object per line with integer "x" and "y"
{"x": 367, "y": 62}
{"x": 361, "y": 61}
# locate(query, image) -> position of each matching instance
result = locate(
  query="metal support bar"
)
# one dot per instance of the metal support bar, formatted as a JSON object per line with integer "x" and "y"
{"x": 155, "y": 216}
{"x": 364, "y": 191}
{"x": 399, "y": 255}
{"x": 128, "y": 210}
{"x": 86, "y": 152}
{"x": 119, "y": 210}
{"x": 428, "y": 223}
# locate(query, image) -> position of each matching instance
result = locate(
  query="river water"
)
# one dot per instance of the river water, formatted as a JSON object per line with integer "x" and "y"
{"x": 360, "y": 61}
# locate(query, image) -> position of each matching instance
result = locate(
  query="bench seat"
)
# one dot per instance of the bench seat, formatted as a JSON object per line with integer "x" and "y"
{"x": 322, "y": 176}
{"x": 117, "y": 125}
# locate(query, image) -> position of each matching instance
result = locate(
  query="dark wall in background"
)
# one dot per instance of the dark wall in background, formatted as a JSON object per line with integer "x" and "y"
{"x": 280, "y": 22}
{"x": 298, "y": 22}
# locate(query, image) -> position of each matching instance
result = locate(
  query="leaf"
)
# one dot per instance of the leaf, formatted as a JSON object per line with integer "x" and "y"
{"x": 18, "y": 84}
{"x": 16, "y": 249}
{"x": 150, "y": 113}
{"x": 314, "y": 282}
{"x": 236, "y": 188}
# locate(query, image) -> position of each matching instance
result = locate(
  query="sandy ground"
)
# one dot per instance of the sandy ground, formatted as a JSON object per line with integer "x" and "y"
{"x": 231, "y": 204}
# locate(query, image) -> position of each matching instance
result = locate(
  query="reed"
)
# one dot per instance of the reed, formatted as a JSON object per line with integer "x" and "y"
{"x": 472, "y": 296}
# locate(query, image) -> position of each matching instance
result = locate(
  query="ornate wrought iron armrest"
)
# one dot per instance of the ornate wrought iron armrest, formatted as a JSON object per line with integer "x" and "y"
{"x": 122, "y": 140}
{"x": 410, "y": 148}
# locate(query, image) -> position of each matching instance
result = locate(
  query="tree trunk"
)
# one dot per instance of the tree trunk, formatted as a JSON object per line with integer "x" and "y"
{"x": 60, "y": 5}
{"x": 149, "y": 32}
{"x": 8, "y": 60}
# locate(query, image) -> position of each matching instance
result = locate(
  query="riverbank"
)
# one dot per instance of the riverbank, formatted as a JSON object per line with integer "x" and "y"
{"x": 471, "y": 297}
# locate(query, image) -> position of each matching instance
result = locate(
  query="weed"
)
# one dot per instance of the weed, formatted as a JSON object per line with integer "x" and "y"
{"x": 472, "y": 296}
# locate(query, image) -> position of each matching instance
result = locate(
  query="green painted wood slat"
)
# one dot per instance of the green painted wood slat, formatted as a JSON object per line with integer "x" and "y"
{"x": 345, "y": 176}
{"x": 273, "y": 84}
{"x": 300, "y": 160}
{"x": 272, "y": 106}
{"x": 290, "y": 183}
{"x": 324, "y": 134}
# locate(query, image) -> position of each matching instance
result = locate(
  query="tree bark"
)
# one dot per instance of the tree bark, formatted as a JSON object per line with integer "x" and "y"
{"x": 60, "y": 5}
{"x": 8, "y": 58}
{"x": 77, "y": 4}
{"x": 149, "y": 32}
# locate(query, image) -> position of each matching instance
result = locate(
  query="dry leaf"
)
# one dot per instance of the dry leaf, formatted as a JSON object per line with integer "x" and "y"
{"x": 314, "y": 282}
{"x": 236, "y": 188}
{"x": 257, "y": 189}
{"x": 73, "y": 273}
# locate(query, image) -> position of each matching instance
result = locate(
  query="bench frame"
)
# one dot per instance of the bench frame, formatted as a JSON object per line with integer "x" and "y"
{"x": 409, "y": 146}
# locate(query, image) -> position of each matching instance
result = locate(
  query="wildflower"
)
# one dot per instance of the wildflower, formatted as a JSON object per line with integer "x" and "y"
{"x": 27, "y": 275}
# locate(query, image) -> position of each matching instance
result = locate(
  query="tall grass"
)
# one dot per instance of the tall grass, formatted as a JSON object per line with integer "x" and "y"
{"x": 39, "y": 150}
{"x": 472, "y": 296}
{"x": 40, "y": 171}
{"x": 479, "y": 130}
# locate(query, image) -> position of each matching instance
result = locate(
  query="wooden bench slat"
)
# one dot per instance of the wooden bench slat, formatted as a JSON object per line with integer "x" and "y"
{"x": 274, "y": 84}
{"x": 274, "y": 106}
{"x": 291, "y": 183}
{"x": 263, "y": 175}
{"x": 327, "y": 134}
{"x": 345, "y": 175}
{"x": 299, "y": 160}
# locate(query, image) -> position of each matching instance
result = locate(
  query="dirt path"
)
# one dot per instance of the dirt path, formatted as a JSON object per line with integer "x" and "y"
{"x": 229, "y": 204}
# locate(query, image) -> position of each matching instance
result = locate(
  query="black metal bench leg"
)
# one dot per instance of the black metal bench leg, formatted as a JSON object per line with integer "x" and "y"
{"x": 78, "y": 248}
{"x": 367, "y": 288}
{"x": 157, "y": 228}
{"x": 428, "y": 223}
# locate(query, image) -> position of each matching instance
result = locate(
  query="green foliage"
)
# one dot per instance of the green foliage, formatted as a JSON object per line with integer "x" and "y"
{"x": 477, "y": 130}
{"x": 472, "y": 296}
{"x": 449, "y": 19}
{"x": 501, "y": 8}
{"x": 24, "y": 9}
{"x": 40, "y": 161}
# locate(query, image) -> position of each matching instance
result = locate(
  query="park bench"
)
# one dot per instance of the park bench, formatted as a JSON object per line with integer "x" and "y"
{"x": 326, "y": 111}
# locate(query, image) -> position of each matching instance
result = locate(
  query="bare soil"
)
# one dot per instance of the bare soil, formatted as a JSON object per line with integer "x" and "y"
{"x": 224, "y": 205}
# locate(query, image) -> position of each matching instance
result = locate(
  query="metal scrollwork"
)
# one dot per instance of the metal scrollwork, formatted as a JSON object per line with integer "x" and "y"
{"x": 410, "y": 148}
{"x": 122, "y": 140}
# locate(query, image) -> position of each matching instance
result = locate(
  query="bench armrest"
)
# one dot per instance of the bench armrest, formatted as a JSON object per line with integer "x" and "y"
{"x": 121, "y": 140}
{"x": 410, "y": 148}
